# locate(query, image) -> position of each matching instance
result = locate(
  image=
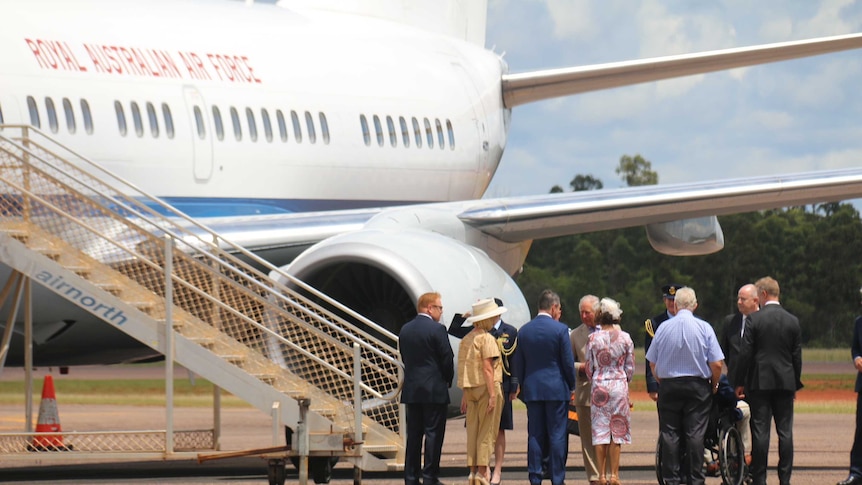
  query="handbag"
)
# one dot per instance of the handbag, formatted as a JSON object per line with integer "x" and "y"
{"x": 572, "y": 422}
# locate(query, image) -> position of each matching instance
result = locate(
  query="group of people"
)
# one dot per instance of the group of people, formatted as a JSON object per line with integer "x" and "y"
{"x": 548, "y": 367}
{"x": 762, "y": 349}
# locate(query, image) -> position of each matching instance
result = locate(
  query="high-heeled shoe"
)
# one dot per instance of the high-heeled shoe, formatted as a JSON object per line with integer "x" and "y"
{"x": 481, "y": 480}
{"x": 471, "y": 479}
{"x": 603, "y": 480}
{"x": 614, "y": 480}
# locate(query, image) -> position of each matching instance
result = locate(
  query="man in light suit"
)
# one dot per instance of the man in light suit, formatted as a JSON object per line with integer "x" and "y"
{"x": 855, "y": 476}
{"x": 428, "y": 371}
{"x": 544, "y": 367}
{"x": 583, "y": 391}
{"x": 769, "y": 374}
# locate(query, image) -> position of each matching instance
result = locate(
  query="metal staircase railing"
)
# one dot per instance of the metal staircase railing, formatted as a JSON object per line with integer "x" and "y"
{"x": 113, "y": 235}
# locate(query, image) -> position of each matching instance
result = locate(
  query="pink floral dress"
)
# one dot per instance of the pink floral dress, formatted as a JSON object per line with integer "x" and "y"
{"x": 610, "y": 365}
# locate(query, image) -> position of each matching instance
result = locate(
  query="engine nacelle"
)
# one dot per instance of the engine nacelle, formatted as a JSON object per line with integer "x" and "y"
{"x": 686, "y": 237}
{"x": 380, "y": 273}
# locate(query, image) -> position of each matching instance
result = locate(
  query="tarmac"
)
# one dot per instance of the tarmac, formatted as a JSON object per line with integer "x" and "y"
{"x": 821, "y": 442}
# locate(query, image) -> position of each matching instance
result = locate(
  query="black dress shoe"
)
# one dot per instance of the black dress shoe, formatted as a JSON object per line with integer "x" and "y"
{"x": 851, "y": 480}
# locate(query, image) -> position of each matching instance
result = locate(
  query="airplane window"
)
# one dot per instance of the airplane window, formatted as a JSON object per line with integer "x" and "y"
{"x": 88, "y": 117}
{"x": 451, "y": 134}
{"x": 169, "y": 120}
{"x": 297, "y": 129}
{"x": 393, "y": 137}
{"x": 52, "y": 115}
{"x": 282, "y": 126}
{"x": 267, "y": 125}
{"x": 154, "y": 120}
{"x": 429, "y": 133}
{"x": 121, "y": 117}
{"x": 366, "y": 135}
{"x": 324, "y": 128}
{"x": 439, "y": 132}
{"x": 378, "y": 130}
{"x": 34, "y": 112}
{"x": 252, "y": 125}
{"x": 237, "y": 129}
{"x": 136, "y": 118}
{"x": 219, "y": 127}
{"x": 417, "y": 132}
{"x": 70, "y": 116}
{"x": 405, "y": 132}
{"x": 309, "y": 123}
{"x": 199, "y": 121}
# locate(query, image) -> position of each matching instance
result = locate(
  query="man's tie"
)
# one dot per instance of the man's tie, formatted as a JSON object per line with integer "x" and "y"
{"x": 744, "y": 324}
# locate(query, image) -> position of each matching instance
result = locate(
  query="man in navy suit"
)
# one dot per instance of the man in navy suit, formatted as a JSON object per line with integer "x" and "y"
{"x": 545, "y": 369}
{"x": 428, "y": 371}
{"x": 855, "y": 477}
{"x": 769, "y": 372}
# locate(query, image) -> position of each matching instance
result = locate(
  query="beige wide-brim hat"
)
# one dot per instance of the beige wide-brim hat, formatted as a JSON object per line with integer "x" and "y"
{"x": 483, "y": 309}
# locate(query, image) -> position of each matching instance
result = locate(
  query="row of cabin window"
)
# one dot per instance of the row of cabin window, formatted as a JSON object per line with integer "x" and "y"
{"x": 251, "y": 124}
{"x": 405, "y": 132}
{"x": 137, "y": 120}
{"x": 53, "y": 120}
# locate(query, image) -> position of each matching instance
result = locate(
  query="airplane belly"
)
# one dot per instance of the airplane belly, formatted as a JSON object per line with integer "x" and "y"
{"x": 65, "y": 334}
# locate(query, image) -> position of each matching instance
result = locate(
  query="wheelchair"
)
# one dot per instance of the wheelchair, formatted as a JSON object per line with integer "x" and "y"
{"x": 722, "y": 441}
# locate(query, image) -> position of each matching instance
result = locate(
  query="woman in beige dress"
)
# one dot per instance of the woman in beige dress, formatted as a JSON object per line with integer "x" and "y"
{"x": 480, "y": 374}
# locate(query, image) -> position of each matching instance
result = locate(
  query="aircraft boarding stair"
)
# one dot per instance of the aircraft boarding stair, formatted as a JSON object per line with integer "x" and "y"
{"x": 106, "y": 246}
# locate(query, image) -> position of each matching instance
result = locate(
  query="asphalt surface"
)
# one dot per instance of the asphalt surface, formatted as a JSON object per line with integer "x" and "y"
{"x": 822, "y": 444}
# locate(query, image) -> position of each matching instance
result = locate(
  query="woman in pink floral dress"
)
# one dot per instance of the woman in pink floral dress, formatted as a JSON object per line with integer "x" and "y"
{"x": 610, "y": 365}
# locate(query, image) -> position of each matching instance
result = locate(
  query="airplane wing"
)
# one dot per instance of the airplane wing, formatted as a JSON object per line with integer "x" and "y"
{"x": 538, "y": 85}
{"x": 518, "y": 219}
{"x": 536, "y": 217}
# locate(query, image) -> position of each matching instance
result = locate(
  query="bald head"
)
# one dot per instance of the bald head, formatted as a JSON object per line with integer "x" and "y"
{"x": 746, "y": 299}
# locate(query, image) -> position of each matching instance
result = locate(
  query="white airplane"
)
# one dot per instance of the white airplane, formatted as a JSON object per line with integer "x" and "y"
{"x": 350, "y": 141}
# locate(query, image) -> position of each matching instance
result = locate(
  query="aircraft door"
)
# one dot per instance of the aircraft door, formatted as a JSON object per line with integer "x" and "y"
{"x": 201, "y": 133}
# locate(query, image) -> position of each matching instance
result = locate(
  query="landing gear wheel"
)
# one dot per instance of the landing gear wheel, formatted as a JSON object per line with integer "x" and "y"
{"x": 275, "y": 472}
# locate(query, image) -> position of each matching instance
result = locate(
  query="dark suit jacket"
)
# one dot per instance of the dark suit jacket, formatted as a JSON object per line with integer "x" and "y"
{"x": 429, "y": 364}
{"x": 544, "y": 364}
{"x": 651, "y": 382}
{"x": 510, "y": 382}
{"x": 771, "y": 355}
{"x": 856, "y": 349}
{"x": 731, "y": 343}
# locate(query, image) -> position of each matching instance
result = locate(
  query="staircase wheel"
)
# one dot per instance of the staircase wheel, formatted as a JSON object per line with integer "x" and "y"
{"x": 276, "y": 472}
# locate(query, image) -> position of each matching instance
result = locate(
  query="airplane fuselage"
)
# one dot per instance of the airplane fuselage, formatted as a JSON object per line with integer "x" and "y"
{"x": 258, "y": 109}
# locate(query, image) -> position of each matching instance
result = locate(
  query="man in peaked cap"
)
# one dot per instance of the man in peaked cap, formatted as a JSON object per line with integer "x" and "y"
{"x": 652, "y": 324}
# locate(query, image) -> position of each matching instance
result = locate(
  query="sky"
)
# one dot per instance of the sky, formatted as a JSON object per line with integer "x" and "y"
{"x": 788, "y": 117}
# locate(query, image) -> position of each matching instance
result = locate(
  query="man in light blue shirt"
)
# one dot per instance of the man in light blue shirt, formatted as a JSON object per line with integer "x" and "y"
{"x": 686, "y": 360}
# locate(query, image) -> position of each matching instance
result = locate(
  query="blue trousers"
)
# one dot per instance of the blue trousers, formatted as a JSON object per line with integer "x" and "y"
{"x": 547, "y": 436}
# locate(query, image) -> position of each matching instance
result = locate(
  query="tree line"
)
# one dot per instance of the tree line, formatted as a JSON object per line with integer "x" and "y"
{"x": 814, "y": 252}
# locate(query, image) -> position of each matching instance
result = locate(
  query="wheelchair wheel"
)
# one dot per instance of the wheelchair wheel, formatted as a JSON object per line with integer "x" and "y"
{"x": 731, "y": 457}
{"x": 658, "y": 461}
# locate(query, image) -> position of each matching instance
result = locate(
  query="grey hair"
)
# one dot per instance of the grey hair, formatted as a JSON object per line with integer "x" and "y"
{"x": 593, "y": 300}
{"x": 685, "y": 299}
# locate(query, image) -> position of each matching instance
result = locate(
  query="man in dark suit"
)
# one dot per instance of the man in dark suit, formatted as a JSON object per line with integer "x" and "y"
{"x": 428, "y": 371}
{"x": 747, "y": 302}
{"x": 668, "y": 292}
{"x": 855, "y": 477}
{"x": 769, "y": 374}
{"x": 544, "y": 367}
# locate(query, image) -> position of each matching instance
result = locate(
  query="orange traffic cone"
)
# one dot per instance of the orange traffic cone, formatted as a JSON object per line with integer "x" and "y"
{"x": 48, "y": 422}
